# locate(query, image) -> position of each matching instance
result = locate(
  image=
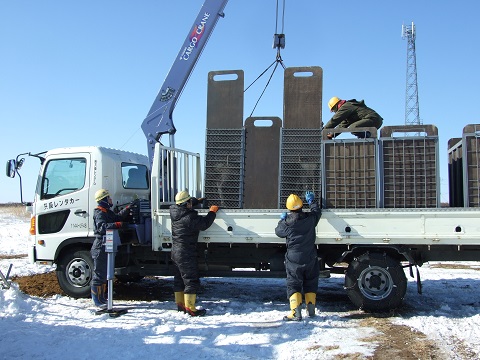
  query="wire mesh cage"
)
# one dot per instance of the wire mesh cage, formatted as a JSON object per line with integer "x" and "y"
{"x": 409, "y": 166}
{"x": 350, "y": 174}
{"x": 224, "y": 167}
{"x": 300, "y": 163}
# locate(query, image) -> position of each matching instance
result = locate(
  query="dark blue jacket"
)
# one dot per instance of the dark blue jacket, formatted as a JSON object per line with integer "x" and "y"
{"x": 299, "y": 230}
{"x": 187, "y": 224}
{"x": 105, "y": 219}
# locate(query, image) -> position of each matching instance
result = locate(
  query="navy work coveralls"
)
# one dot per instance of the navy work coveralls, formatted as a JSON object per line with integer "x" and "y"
{"x": 301, "y": 261}
{"x": 186, "y": 226}
{"x": 104, "y": 219}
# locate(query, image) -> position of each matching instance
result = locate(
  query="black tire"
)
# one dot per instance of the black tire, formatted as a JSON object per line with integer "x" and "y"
{"x": 74, "y": 272}
{"x": 375, "y": 282}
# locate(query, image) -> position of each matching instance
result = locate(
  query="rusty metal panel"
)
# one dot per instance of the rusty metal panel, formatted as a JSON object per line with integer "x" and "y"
{"x": 262, "y": 151}
{"x": 225, "y": 99}
{"x": 302, "y": 107}
{"x": 409, "y": 166}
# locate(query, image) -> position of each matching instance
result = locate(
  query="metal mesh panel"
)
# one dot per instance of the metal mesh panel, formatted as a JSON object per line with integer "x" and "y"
{"x": 471, "y": 140}
{"x": 224, "y": 167}
{"x": 300, "y": 166}
{"x": 410, "y": 172}
{"x": 349, "y": 179}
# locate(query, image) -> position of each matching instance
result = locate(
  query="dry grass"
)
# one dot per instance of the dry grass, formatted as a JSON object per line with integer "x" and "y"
{"x": 14, "y": 209}
{"x": 399, "y": 341}
{"x": 454, "y": 266}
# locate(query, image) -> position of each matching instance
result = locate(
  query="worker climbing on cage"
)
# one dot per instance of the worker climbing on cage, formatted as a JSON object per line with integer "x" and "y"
{"x": 186, "y": 226}
{"x": 352, "y": 114}
{"x": 301, "y": 261}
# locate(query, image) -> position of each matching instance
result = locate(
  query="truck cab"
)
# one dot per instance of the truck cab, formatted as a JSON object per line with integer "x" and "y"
{"x": 62, "y": 226}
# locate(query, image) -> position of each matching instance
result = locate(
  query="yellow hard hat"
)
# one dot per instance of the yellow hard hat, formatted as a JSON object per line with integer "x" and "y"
{"x": 332, "y": 102}
{"x": 182, "y": 196}
{"x": 101, "y": 194}
{"x": 294, "y": 202}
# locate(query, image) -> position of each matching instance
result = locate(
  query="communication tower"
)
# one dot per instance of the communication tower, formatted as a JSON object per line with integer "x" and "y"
{"x": 412, "y": 115}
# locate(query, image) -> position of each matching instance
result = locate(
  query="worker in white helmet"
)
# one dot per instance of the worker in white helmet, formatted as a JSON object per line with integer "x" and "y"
{"x": 186, "y": 226}
{"x": 301, "y": 260}
{"x": 352, "y": 114}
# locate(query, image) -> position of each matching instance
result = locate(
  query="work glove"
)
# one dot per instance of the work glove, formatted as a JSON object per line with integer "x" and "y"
{"x": 283, "y": 216}
{"x": 121, "y": 224}
{"x": 214, "y": 208}
{"x": 310, "y": 197}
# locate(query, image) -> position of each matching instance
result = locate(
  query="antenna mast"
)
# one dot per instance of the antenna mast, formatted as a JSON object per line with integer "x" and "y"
{"x": 412, "y": 115}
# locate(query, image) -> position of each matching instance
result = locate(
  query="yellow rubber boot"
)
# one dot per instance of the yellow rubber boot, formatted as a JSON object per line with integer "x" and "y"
{"x": 295, "y": 307}
{"x": 310, "y": 301}
{"x": 190, "y": 308}
{"x": 179, "y": 300}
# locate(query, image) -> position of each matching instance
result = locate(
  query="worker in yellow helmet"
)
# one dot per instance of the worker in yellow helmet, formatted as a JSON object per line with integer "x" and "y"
{"x": 301, "y": 261}
{"x": 103, "y": 219}
{"x": 186, "y": 226}
{"x": 352, "y": 114}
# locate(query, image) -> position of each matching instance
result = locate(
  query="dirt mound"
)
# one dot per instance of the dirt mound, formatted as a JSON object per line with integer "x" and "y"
{"x": 41, "y": 285}
{"x": 149, "y": 289}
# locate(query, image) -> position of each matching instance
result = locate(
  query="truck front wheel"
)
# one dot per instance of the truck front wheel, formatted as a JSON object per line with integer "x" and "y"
{"x": 74, "y": 272}
{"x": 375, "y": 282}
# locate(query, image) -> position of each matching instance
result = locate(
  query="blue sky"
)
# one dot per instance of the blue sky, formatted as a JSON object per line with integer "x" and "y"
{"x": 78, "y": 73}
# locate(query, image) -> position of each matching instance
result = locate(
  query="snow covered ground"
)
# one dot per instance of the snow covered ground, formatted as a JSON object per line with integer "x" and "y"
{"x": 243, "y": 319}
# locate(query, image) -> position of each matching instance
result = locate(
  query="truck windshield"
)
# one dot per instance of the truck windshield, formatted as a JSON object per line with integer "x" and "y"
{"x": 63, "y": 176}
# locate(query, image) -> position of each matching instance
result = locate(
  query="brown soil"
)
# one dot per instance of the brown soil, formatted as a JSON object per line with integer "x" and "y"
{"x": 400, "y": 342}
{"x": 46, "y": 285}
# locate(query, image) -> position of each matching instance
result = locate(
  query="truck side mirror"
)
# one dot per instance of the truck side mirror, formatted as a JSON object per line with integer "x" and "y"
{"x": 10, "y": 170}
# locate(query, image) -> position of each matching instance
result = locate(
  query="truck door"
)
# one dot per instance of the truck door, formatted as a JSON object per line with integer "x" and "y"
{"x": 62, "y": 198}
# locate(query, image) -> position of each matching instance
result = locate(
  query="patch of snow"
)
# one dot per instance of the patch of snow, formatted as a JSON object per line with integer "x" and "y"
{"x": 244, "y": 318}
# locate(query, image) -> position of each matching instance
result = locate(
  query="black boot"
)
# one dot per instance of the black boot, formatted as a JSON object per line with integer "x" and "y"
{"x": 97, "y": 295}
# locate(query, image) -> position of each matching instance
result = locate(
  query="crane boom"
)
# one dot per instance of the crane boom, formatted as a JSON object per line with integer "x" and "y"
{"x": 159, "y": 119}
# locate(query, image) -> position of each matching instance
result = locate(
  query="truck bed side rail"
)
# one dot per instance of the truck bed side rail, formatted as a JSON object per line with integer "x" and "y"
{"x": 372, "y": 227}
{"x": 172, "y": 171}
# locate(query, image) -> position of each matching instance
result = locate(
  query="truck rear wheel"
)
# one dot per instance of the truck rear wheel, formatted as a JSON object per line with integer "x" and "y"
{"x": 375, "y": 282}
{"x": 74, "y": 272}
